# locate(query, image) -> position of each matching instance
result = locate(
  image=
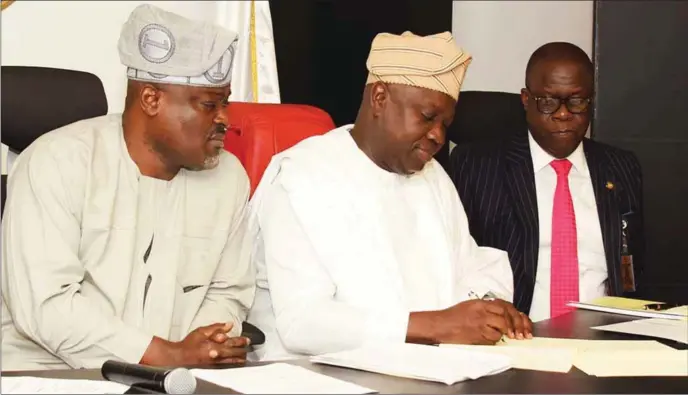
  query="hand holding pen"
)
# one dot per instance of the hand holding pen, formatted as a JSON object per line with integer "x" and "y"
{"x": 518, "y": 324}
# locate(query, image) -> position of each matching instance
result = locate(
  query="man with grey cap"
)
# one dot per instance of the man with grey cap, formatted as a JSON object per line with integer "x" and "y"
{"x": 125, "y": 236}
{"x": 361, "y": 236}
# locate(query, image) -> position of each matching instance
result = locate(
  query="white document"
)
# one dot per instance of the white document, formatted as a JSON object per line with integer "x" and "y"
{"x": 634, "y": 363}
{"x": 278, "y": 378}
{"x": 530, "y": 358}
{"x": 665, "y": 329}
{"x": 421, "y": 362}
{"x": 670, "y": 315}
{"x": 40, "y": 385}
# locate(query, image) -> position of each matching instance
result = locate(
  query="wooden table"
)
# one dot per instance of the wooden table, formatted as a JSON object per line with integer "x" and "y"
{"x": 515, "y": 381}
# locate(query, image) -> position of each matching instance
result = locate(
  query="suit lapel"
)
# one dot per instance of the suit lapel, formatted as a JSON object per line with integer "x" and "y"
{"x": 521, "y": 182}
{"x": 607, "y": 210}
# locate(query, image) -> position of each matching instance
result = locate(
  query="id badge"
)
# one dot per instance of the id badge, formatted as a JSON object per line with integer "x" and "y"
{"x": 627, "y": 273}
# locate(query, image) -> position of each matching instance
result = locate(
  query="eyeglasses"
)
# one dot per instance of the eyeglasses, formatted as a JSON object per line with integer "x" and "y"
{"x": 550, "y": 105}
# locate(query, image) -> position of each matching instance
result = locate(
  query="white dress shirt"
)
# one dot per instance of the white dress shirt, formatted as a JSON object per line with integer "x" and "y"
{"x": 592, "y": 264}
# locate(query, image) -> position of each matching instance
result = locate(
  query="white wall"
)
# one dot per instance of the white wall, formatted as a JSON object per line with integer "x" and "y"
{"x": 501, "y": 36}
{"x": 79, "y": 35}
{"x": 83, "y": 35}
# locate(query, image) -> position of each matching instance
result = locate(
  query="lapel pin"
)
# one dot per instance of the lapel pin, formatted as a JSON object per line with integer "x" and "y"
{"x": 610, "y": 185}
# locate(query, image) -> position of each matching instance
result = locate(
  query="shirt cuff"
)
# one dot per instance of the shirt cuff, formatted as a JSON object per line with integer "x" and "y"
{"x": 134, "y": 344}
{"x": 387, "y": 326}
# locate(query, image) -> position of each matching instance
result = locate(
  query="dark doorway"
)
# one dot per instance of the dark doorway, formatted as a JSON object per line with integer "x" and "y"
{"x": 641, "y": 105}
{"x": 322, "y": 46}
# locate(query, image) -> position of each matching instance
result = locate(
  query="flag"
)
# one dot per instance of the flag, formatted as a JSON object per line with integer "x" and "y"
{"x": 254, "y": 73}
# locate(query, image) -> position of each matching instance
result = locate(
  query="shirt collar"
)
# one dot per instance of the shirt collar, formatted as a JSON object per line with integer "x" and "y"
{"x": 368, "y": 169}
{"x": 542, "y": 158}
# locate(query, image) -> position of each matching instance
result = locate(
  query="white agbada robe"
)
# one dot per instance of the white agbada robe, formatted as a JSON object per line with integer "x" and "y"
{"x": 345, "y": 250}
{"x": 77, "y": 225}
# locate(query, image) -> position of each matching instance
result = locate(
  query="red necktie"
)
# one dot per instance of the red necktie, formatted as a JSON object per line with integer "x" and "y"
{"x": 564, "y": 270}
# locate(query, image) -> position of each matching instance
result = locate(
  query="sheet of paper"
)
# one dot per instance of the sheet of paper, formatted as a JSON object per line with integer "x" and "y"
{"x": 583, "y": 345}
{"x": 608, "y": 358}
{"x": 278, "y": 378}
{"x": 629, "y": 363}
{"x": 665, "y": 329}
{"x": 421, "y": 362}
{"x": 39, "y": 385}
{"x": 531, "y": 358}
{"x": 631, "y": 307}
{"x": 683, "y": 310}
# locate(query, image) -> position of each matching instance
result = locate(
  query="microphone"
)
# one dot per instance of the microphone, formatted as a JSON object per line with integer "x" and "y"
{"x": 169, "y": 381}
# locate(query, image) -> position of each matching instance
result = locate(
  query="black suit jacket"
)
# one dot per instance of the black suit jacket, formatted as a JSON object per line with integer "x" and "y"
{"x": 496, "y": 183}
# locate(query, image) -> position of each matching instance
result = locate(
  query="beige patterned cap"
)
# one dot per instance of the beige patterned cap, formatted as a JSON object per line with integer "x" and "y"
{"x": 433, "y": 62}
{"x": 160, "y": 46}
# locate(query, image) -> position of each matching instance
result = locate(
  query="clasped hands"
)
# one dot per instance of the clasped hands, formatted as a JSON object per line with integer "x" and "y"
{"x": 206, "y": 345}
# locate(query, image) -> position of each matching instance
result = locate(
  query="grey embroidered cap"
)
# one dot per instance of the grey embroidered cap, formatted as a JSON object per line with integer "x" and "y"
{"x": 163, "y": 47}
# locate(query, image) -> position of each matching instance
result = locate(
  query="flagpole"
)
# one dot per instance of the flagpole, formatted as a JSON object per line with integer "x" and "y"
{"x": 254, "y": 55}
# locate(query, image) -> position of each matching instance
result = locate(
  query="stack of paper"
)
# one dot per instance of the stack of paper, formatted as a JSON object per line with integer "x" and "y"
{"x": 444, "y": 365}
{"x": 632, "y": 307}
{"x": 530, "y": 358}
{"x": 665, "y": 329}
{"x": 278, "y": 378}
{"x": 38, "y": 385}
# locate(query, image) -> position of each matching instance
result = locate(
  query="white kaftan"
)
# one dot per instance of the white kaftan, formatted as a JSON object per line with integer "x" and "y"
{"x": 345, "y": 250}
{"x": 97, "y": 258}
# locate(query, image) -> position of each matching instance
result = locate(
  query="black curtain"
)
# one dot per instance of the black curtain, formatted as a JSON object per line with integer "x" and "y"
{"x": 641, "y": 105}
{"x": 322, "y": 46}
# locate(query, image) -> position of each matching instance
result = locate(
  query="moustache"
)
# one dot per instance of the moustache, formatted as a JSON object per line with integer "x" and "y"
{"x": 218, "y": 130}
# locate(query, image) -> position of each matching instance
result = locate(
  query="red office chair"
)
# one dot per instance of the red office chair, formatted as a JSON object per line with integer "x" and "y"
{"x": 258, "y": 131}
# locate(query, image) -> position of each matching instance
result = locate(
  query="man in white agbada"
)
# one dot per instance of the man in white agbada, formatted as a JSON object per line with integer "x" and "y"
{"x": 362, "y": 237}
{"x": 124, "y": 236}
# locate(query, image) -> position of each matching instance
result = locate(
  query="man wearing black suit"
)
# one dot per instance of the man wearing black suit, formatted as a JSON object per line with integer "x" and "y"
{"x": 566, "y": 209}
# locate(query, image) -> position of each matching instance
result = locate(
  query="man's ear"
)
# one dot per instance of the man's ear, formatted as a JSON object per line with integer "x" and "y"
{"x": 379, "y": 95}
{"x": 150, "y": 98}
{"x": 524, "y": 98}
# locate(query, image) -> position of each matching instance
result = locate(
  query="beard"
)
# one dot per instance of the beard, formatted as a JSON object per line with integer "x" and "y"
{"x": 211, "y": 162}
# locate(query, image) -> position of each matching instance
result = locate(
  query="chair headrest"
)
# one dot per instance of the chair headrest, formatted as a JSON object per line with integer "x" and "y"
{"x": 36, "y": 100}
{"x": 486, "y": 116}
{"x": 258, "y": 131}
